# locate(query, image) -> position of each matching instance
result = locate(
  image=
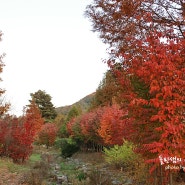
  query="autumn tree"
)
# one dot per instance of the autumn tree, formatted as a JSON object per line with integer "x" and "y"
{"x": 43, "y": 101}
{"x": 5, "y": 135}
{"x": 47, "y": 134}
{"x": 90, "y": 123}
{"x": 118, "y": 22}
{"x": 59, "y": 120}
{"x": 163, "y": 71}
{"x": 33, "y": 117}
{"x": 23, "y": 137}
{"x": 114, "y": 124}
{"x": 84, "y": 128}
{"x": 146, "y": 39}
{"x": 74, "y": 130}
{"x": 16, "y": 138}
{"x": 74, "y": 112}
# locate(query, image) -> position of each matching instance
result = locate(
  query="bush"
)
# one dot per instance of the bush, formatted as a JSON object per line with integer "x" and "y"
{"x": 121, "y": 156}
{"x": 68, "y": 147}
{"x": 58, "y": 142}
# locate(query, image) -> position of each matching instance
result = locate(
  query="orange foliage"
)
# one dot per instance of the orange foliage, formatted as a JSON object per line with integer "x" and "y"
{"x": 158, "y": 108}
{"x": 163, "y": 71}
{"x": 90, "y": 123}
{"x": 113, "y": 125}
{"x": 34, "y": 117}
{"x": 47, "y": 134}
{"x": 146, "y": 40}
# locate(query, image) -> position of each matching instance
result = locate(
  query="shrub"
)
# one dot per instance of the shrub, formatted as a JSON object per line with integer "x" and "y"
{"x": 121, "y": 156}
{"x": 58, "y": 142}
{"x": 68, "y": 147}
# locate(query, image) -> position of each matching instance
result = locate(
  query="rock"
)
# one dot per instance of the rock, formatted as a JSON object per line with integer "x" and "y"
{"x": 57, "y": 167}
{"x": 62, "y": 179}
{"x": 129, "y": 182}
{"x": 84, "y": 168}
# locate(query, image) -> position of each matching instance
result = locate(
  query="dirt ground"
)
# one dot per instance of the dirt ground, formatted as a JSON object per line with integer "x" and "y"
{"x": 9, "y": 178}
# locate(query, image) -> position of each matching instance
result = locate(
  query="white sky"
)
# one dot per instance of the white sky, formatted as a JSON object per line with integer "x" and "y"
{"x": 49, "y": 46}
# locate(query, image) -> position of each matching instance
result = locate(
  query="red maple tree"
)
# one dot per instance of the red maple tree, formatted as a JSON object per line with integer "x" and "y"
{"x": 155, "y": 94}
{"x": 47, "y": 134}
{"x": 146, "y": 42}
{"x": 113, "y": 125}
{"x": 16, "y": 138}
{"x": 163, "y": 70}
{"x": 33, "y": 117}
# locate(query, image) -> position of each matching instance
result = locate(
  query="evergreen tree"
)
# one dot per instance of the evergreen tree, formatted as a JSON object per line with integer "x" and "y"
{"x": 43, "y": 101}
{"x": 74, "y": 112}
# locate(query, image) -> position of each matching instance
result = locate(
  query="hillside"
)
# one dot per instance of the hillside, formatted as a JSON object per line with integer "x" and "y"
{"x": 84, "y": 103}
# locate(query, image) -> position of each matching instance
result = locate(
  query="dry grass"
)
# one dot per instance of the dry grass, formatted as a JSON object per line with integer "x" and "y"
{"x": 11, "y": 173}
{"x": 90, "y": 157}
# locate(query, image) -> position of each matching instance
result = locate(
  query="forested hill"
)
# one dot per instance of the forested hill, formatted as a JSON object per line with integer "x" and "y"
{"x": 84, "y": 103}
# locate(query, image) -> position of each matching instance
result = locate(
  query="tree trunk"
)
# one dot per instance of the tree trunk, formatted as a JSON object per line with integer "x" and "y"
{"x": 155, "y": 176}
{"x": 170, "y": 178}
{"x": 161, "y": 175}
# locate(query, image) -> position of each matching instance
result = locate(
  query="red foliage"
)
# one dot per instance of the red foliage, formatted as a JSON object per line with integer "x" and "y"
{"x": 146, "y": 42}
{"x": 108, "y": 125}
{"x": 48, "y": 134}
{"x": 159, "y": 113}
{"x": 90, "y": 123}
{"x": 113, "y": 125}
{"x": 5, "y": 136}
{"x": 18, "y": 134}
{"x": 33, "y": 118}
{"x": 70, "y": 126}
{"x": 16, "y": 138}
{"x": 85, "y": 127}
{"x": 87, "y": 123}
{"x": 22, "y": 139}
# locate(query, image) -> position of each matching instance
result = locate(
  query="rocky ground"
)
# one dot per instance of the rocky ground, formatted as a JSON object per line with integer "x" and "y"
{"x": 87, "y": 168}
{"x": 52, "y": 169}
{"x": 81, "y": 169}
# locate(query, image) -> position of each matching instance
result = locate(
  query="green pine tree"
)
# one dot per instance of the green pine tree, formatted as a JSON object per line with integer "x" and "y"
{"x": 43, "y": 100}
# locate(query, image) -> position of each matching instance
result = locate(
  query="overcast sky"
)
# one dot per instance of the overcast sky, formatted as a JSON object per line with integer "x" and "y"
{"x": 49, "y": 46}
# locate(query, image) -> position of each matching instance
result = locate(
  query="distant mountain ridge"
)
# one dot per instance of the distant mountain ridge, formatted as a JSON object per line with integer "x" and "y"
{"x": 83, "y": 103}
